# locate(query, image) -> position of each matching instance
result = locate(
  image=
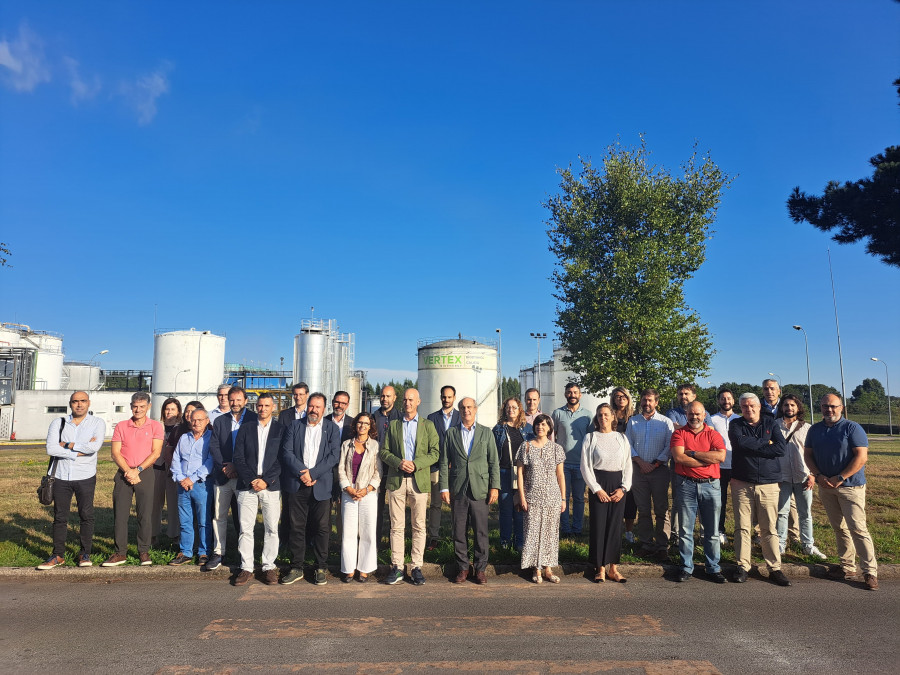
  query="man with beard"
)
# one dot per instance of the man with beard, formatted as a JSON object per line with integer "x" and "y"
{"x": 698, "y": 450}
{"x": 796, "y": 480}
{"x": 650, "y": 434}
{"x": 571, "y": 423}
{"x": 387, "y": 413}
{"x": 757, "y": 446}
{"x": 720, "y": 422}
{"x": 836, "y": 452}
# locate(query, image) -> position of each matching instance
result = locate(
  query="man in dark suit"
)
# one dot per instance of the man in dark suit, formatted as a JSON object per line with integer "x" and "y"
{"x": 258, "y": 467}
{"x": 443, "y": 419}
{"x": 309, "y": 452}
{"x": 470, "y": 482}
{"x": 299, "y": 392}
{"x": 339, "y": 404}
{"x": 224, "y": 476}
{"x": 387, "y": 413}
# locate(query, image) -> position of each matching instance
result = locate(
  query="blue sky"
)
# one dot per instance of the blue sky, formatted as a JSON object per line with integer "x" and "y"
{"x": 228, "y": 165}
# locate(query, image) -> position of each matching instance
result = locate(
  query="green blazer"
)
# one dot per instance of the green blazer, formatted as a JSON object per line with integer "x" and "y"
{"x": 427, "y": 453}
{"x": 479, "y": 470}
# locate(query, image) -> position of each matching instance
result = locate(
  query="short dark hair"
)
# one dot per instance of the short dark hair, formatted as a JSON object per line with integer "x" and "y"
{"x": 237, "y": 390}
{"x": 650, "y": 391}
{"x": 318, "y": 394}
{"x": 140, "y": 396}
{"x": 265, "y": 394}
{"x": 724, "y": 390}
{"x": 532, "y": 389}
{"x": 687, "y": 385}
{"x": 301, "y": 385}
{"x": 572, "y": 385}
{"x": 339, "y": 393}
{"x": 542, "y": 418}
{"x": 450, "y": 387}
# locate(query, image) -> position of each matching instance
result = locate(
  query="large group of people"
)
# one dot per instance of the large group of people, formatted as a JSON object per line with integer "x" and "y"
{"x": 300, "y": 465}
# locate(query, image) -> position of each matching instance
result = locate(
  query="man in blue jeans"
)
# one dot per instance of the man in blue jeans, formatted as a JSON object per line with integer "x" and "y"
{"x": 571, "y": 423}
{"x": 191, "y": 466}
{"x": 698, "y": 450}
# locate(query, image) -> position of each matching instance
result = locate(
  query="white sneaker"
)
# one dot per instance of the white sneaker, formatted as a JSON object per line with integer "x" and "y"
{"x": 811, "y": 550}
{"x": 629, "y": 537}
{"x": 722, "y": 538}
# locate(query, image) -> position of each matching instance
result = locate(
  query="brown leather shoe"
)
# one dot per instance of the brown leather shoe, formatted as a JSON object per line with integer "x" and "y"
{"x": 243, "y": 577}
{"x": 145, "y": 558}
{"x": 480, "y": 577}
{"x": 114, "y": 560}
{"x": 461, "y": 577}
{"x": 270, "y": 576}
{"x": 871, "y": 582}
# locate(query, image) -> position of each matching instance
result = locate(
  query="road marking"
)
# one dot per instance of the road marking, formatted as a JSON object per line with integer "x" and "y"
{"x": 632, "y": 625}
{"x": 451, "y": 667}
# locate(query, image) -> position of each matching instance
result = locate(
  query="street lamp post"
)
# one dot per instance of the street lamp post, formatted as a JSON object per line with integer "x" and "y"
{"x": 539, "y": 337}
{"x": 100, "y": 353}
{"x": 808, "y": 380}
{"x": 887, "y": 381}
{"x": 186, "y": 370}
{"x": 477, "y": 370}
{"x": 777, "y": 378}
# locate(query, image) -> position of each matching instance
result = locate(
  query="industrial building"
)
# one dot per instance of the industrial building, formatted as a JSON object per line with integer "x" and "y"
{"x": 468, "y": 364}
{"x": 550, "y": 378}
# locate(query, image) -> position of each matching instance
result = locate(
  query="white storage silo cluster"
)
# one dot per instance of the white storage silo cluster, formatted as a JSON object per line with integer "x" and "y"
{"x": 554, "y": 376}
{"x": 323, "y": 359}
{"x": 48, "y": 353}
{"x": 466, "y": 364}
{"x": 187, "y": 364}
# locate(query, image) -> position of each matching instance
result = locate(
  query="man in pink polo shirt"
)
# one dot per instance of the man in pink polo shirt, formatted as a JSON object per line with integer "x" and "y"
{"x": 698, "y": 449}
{"x": 136, "y": 445}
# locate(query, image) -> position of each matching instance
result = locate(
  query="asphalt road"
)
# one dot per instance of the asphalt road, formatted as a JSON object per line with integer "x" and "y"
{"x": 509, "y": 625}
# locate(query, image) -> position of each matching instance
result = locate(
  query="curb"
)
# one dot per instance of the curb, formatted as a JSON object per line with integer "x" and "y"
{"x": 429, "y": 570}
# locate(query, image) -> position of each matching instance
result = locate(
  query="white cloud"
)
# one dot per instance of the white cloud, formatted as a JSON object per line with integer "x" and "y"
{"x": 143, "y": 92}
{"x": 22, "y": 64}
{"x": 82, "y": 90}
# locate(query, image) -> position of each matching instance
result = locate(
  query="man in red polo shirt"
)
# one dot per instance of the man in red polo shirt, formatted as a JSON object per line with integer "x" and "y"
{"x": 697, "y": 450}
{"x": 136, "y": 445}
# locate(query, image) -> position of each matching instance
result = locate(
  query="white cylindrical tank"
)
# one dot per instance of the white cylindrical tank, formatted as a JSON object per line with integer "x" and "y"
{"x": 310, "y": 356}
{"x": 354, "y": 388}
{"x": 467, "y": 365}
{"x": 186, "y": 364}
{"x": 9, "y": 336}
{"x": 49, "y": 366}
{"x": 82, "y": 376}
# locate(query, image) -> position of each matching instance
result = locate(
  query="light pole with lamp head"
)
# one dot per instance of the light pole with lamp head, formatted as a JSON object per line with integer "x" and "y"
{"x": 808, "y": 379}
{"x": 887, "y": 381}
{"x": 539, "y": 337}
{"x": 186, "y": 370}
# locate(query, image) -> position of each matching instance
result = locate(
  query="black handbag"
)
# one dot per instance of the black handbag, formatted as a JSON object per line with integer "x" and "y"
{"x": 45, "y": 490}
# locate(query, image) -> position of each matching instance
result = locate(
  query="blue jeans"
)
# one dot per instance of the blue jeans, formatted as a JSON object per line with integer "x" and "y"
{"x": 511, "y": 528}
{"x": 575, "y": 486}
{"x": 195, "y": 502}
{"x": 691, "y": 497}
{"x": 804, "y": 512}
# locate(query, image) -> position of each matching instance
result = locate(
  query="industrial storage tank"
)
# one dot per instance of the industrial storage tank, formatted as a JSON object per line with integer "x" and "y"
{"x": 311, "y": 351}
{"x": 49, "y": 366}
{"x": 354, "y": 388}
{"x": 467, "y": 364}
{"x": 81, "y": 376}
{"x": 187, "y": 364}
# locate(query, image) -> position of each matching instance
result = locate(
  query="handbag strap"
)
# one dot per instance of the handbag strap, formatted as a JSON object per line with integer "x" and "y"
{"x": 51, "y": 465}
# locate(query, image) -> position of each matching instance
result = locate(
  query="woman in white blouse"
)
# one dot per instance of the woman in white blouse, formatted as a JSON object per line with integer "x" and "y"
{"x": 359, "y": 473}
{"x": 606, "y": 468}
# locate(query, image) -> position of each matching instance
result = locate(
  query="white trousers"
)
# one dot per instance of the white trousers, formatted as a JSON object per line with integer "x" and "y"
{"x": 358, "y": 550}
{"x": 249, "y": 503}
{"x": 223, "y": 494}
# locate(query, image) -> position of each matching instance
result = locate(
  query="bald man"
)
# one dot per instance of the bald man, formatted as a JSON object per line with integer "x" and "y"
{"x": 72, "y": 443}
{"x": 411, "y": 445}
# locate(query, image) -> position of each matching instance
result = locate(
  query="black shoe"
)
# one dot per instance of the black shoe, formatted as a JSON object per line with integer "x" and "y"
{"x": 320, "y": 579}
{"x": 683, "y": 576}
{"x": 417, "y": 577}
{"x": 716, "y": 577}
{"x": 778, "y": 577}
{"x": 740, "y": 575}
{"x": 213, "y": 563}
{"x": 180, "y": 559}
{"x": 395, "y": 576}
{"x": 347, "y": 578}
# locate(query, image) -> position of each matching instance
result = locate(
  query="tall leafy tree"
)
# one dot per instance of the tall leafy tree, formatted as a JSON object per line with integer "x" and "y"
{"x": 627, "y": 235}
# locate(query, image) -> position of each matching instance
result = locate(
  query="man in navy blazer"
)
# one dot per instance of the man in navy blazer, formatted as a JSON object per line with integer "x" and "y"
{"x": 443, "y": 419}
{"x": 256, "y": 459}
{"x": 224, "y": 476}
{"x": 309, "y": 452}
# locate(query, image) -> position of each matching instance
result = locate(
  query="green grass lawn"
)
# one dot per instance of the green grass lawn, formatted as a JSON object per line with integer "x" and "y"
{"x": 26, "y": 541}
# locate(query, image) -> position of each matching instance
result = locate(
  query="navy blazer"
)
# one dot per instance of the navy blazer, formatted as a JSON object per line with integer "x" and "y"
{"x": 221, "y": 445}
{"x": 347, "y": 429}
{"x": 286, "y": 417}
{"x": 246, "y": 455}
{"x": 329, "y": 453}
{"x": 437, "y": 418}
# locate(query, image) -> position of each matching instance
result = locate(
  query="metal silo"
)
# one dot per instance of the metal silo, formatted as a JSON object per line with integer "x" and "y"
{"x": 49, "y": 366}
{"x": 187, "y": 364}
{"x": 311, "y": 347}
{"x": 468, "y": 365}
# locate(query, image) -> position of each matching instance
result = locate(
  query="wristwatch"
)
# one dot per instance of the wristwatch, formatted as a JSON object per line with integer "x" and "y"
{"x": 139, "y": 468}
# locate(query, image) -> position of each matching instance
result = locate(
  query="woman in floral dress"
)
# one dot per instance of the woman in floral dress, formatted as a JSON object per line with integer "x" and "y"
{"x": 542, "y": 485}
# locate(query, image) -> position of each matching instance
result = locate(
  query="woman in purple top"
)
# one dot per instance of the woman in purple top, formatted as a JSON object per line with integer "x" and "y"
{"x": 359, "y": 475}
